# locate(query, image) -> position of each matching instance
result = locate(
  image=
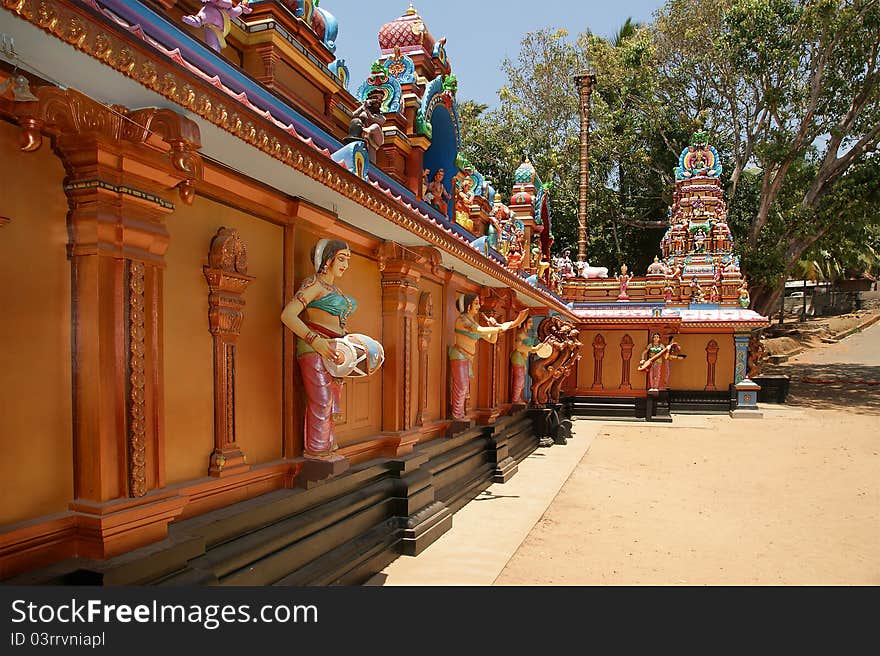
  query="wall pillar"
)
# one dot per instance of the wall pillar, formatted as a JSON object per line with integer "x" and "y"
{"x": 120, "y": 166}
{"x": 741, "y": 342}
{"x": 425, "y": 320}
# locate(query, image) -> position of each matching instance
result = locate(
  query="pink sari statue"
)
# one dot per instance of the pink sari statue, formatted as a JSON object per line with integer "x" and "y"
{"x": 326, "y": 313}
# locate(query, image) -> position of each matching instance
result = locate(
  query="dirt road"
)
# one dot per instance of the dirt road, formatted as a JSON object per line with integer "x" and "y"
{"x": 792, "y": 499}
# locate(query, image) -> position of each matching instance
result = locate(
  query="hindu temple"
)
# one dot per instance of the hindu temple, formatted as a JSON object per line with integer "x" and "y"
{"x": 267, "y": 325}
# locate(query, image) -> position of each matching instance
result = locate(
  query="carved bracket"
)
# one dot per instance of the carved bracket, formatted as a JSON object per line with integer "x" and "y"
{"x": 69, "y": 113}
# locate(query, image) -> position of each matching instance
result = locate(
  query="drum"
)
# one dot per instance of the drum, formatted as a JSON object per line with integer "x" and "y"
{"x": 360, "y": 356}
{"x": 544, "y": 350}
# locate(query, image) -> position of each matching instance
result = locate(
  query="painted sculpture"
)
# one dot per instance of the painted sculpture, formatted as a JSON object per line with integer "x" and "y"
{"x": 623, "y": 282}
{"x": 757, "y": 353}
{"x": 468, "y": 332}
{"x": 322, "y": 360}
{"x": 523, "y": 346}
{"x": 366, "y": 123}
{"x": 745, "y": 298}
{"x": 463, "y": 199}
{"x": 557, "y": 354}
{"x": 436, "y": 194}
{"x": 216, "y": 17}
{"x": 653, "y": 358}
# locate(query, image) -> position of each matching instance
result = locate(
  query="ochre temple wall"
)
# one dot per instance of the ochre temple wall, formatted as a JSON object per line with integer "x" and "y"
{"x": 189, "y": 379}
{"x": 612, "y": 362}
{"x": 436, "y": 356}
{"x": 36, "y": 472}
{"x": 690, "y": 374}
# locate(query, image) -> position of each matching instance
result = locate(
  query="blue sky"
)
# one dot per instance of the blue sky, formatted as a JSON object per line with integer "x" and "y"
{"x": 480, "y": 34}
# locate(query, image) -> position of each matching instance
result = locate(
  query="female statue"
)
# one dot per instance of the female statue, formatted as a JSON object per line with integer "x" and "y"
{"x": 327, "y": 311}
{"x": 519, "y": 358}
{"x": 653, "y": 357}
{"x": 463, "y": 199}
{"x": 468, "y": 332}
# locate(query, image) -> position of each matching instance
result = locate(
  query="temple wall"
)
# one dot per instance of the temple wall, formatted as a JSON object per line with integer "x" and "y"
{"x": 436, "y": 356}
{"x": 189, "y": 377}
{"x": 36, "y": 472}
{"x": 690, "y": 374}
{"x": 612, "y": 363}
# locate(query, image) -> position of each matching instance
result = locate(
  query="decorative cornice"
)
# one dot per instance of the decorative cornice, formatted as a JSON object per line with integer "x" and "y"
{"x": 179, "y": 81}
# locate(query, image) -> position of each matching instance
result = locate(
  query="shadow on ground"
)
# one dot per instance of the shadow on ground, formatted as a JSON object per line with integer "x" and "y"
{"x": 833, "y": 386}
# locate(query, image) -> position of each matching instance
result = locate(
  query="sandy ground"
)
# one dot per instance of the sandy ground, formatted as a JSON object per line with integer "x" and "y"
{"x": 793, "y": 499}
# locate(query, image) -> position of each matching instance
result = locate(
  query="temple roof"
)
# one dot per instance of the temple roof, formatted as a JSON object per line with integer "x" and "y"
{"x": 408, "y": 32}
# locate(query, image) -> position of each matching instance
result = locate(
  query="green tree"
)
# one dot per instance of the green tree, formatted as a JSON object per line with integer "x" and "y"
{"x": 794, "y": 88}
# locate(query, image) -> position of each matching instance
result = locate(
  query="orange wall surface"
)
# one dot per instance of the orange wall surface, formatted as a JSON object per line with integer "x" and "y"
{"x": 189, "y": 373}
{"x": 436, "y": 356}
{"x": 690, "y": 374}
{"x": 612, "y": 364}
{"x": 36, "y": 471}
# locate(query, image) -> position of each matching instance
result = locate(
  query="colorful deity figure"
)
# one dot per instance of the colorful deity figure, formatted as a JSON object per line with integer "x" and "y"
{"x": 623, "y": 280}
{"x": 699, "y": 241}
{"x": 326, "y": 312}
{"x": 436, "y": 194}
{"x": 697, "y": 295}
{"x": 714, "y": 294}
{"x": 515, "y": 257}
{"x": 667, "y": 293}
{"x": 653, "y": 358}
{"x": 656, "y": 268}
{"x": 216, "y": 17}
{"x": 463, "y": 199}
{"x": 744, "y": 298}
{"x": 523, "y": 346}
{"x": 468, "y": 332}
{"x": 564, "y": 265}
{"x": 698, "y": 159}
{"x": 366, "y": 123}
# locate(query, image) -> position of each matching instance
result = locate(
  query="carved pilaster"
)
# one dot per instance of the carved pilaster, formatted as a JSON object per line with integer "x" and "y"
{"x": 626, "y": 352}
{"x": 598, "y": 357}
{"x": 741, "y": 343}
{"x": 117, "y": 245}
{"x": 425, "y": 319}
{"x": 227, "y": 278}
{"x": 711, "y": 360}
{"x": 400, "y": 294}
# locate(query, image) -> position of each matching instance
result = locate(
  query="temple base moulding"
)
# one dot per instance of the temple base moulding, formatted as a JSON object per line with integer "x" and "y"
{"x": 316, "y": 471}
